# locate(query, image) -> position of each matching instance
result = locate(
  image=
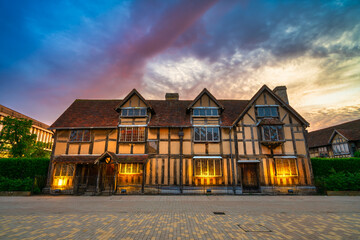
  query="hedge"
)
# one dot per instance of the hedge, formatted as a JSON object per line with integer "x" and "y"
{"x": 7, "y": 184}
{"x": 324, "y": 166}
{"x": 342, "y": 181}
{"x": 21, "y": 168}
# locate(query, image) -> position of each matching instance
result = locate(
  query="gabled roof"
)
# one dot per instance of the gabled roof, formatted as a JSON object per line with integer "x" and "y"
{"x": 322, "y": 137}
{"x": 92, "y": 159}
{"x": 84, "y": 113}
{"x": 106, "y": 154}
{"x": 205, "y": 91}
{"x": 101, "y": 114}
{"x": 283, "y": 104}
{"x": 133, "y": 92}
{"x": 174, "y": 114}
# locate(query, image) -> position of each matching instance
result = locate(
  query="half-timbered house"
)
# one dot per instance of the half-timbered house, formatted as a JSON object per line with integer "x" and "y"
{"x": 172, "y": 146}
{"x": 338, "y": 141}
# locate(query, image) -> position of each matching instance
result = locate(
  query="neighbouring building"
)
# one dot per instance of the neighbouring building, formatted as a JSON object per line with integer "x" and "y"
{"x": 342, "y": 140}
{"x": 41, "y": 130}
{"x": 204, "y": 145}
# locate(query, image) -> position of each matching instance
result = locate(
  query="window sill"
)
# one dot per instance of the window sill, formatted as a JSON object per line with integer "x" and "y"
{"x": 272, "y": 144}
{"x": 207, "y": 176}
{"x": 287, "y": 176}
{"x": 142, "y": 116}
{"x": 218, "y": 141}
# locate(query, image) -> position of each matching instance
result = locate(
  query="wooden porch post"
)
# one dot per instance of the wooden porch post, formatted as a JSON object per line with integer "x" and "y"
{"x": 181, "y": 135}
{"x": 232, "y": 163}
{"x": 115, "y": 177}
{"x": 143, "y": 178}
{"x": 98, "y": 179}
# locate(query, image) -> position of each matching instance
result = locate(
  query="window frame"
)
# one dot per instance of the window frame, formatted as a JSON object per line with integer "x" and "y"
{"x": 341, "y": 146}
{"x": 257, "y": 107}
{"x": 214, "y": 160}
{"x": 277, "y": 133}
{"x": 128, "y": 109}
{"x": 132, "y": 134}
{"x": 289, "y": 165}
{"x": 82, "y": 135}
{"x": 139, "y": 168}
{"x": 205, "y": 109}
{"x": 204, "y": 129}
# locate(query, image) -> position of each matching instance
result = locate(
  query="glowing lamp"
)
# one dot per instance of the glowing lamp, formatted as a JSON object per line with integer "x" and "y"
{"x": 60, "y": 183}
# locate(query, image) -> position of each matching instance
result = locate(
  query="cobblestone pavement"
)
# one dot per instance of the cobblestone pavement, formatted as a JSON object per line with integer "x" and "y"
{"x": 180, "y": 217}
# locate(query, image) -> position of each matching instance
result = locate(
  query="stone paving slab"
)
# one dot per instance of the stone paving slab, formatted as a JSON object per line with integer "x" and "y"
{"x": 180, "y": 217}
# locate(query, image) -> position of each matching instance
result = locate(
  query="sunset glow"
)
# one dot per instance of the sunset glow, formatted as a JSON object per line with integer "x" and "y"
{"x": 55, "y": 52}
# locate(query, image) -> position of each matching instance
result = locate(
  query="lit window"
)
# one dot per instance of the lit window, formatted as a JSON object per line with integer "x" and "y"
{"x": 272, "y": 133}
{"x": 206, "y": 134}
{"x": 63, "y": 175}
{"x": 80, "y": 136}
{"x": 286, "y": 167}
{"x": 208, "y": 168}
{"x": 133, "y": 112}
{"x": 201, "y": 112}
{"x": 267, "y": 111}
{"x": 132, "y": 134}
{"x": 130, "y": 168}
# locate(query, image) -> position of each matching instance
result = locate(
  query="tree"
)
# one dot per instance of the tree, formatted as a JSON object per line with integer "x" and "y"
{"x": 15, "y": 137}
{"x": 39, "y": 152}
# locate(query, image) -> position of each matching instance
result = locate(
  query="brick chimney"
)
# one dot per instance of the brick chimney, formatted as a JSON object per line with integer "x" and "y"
{"x": 171, "y": 96}
{"x": 282, "y": 93}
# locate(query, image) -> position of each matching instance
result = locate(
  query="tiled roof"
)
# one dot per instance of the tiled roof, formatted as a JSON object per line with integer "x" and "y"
{"x": 101, "y": 113}
{"x": 270, "y": 121}
{"x": 89, "y": 113}
{"x": 122, "y": 158}
{"x": 350, "y": 134}
{"x": 15, "y": 114}
{"x": 169, "y": 113}
{"x": 76, "y": 159}
{"x": 350, "y": 130}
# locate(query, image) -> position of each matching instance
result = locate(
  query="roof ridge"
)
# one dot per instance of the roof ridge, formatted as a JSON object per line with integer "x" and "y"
{"x": 335, "y": 126}
{"x": 96, "y": 99}
{"x": 35, "y": 122}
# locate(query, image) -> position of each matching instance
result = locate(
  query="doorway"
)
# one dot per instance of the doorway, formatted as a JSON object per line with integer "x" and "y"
{"x": 249, "y": 177}
{"x": 107, "y": 180}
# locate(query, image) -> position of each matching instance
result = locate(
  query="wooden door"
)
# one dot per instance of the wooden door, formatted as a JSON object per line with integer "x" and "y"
{"x": 107, "y": 177}
{"x": 250, "y": 177}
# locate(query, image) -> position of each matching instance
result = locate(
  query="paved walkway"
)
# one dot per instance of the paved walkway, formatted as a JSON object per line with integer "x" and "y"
{"x": 180, "y": 217}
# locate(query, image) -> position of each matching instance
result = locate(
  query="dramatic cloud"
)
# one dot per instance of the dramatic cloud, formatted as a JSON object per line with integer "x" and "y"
{"x": 53, "y": 53}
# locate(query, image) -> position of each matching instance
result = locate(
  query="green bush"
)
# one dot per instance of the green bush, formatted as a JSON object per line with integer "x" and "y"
{"x": 23, "y": 174}
{"x": 21, "y": 168}
{"x": 341, "y": 181}
{"x": 323, "y": 166}
{"x": 7, "y": 184}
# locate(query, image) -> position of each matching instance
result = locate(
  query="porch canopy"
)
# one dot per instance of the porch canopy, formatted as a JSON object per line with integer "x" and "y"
{"x": 94, "y": 159}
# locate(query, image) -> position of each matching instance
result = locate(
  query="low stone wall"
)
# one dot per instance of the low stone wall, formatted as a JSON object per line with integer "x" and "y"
{"x": 15, "y": 193}
{"x": 296, "y": 190}
{"x": 343, "y": 193}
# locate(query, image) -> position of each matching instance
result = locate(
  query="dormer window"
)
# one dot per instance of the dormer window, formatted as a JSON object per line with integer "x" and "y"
{"x": 267, "y": 111}
{"x": 133, "y": 112}
{"x": 205, "y": 112}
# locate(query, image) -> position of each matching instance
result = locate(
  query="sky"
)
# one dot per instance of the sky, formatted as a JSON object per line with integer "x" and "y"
{"x": 53, "y": 52}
